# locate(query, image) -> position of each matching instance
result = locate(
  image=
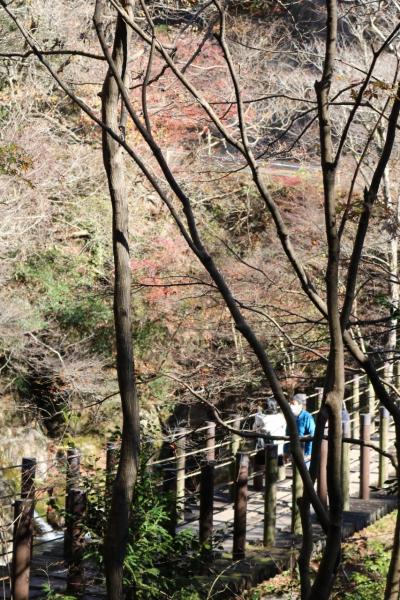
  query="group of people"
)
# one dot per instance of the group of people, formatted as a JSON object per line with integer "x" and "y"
{"x": 273, "y": 423}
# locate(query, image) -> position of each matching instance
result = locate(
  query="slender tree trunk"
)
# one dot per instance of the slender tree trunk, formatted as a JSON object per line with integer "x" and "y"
{"x": 393, "y": 247}
{"x": 119, "y": 518}
{"x": 394, "y": 299}
{"x": 306, "y": 547}
{"x": 392, "y": 590}
{"x": 393, "y": 270}
{"x": 334, "y": 386}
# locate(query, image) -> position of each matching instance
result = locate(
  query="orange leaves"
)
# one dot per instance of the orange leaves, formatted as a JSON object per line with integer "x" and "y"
{"x": 154, "y": 271}
{"x": 176, "y": 115}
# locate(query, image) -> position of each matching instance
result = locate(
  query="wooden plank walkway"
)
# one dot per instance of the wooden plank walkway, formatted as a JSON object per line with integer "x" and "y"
{"x": 223, "y": 509}
{"x": 228, "y": 577}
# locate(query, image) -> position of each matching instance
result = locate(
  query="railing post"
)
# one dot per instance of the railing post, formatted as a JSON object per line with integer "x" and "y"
{"x": 73, "y": 467}
{"x": 281, "y": 468}
{"x": 318, "y": 398}
{"x": 180, "y": 473}
{"x": 206, "y": 507}
{"x": 240, "y": 508}
{"x": 388, "y": 372}
{"x": 111, "y": 463}
{"x": 236, "y": 439}
{"x": 297, "y": 493}
{"x": 77, "y": 505}
{"x": 397, "y": 374}
{"x": 371, "y": 405}
{"x": 345, "y": 466}
{"x": 72, "y": 481}
{"x": 322, "y": 484}
{"x": 28, "y": 471}
{"x": 355, "y": 406}
{"x": 169, "y": 487}
{"x": 365, "y": 426}
{"x": 271, "y": 478}
{"x": 258, "y": 466}
{"x": 234, "y": 449}
{"x": 383, "y": 444}
{"x": 210, "y": 441}
{"x": 22, "y": 548}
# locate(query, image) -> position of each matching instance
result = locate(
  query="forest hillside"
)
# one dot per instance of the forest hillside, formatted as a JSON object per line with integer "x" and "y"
{"x": 199, "y": 208}
{"x": 56, "y": 268}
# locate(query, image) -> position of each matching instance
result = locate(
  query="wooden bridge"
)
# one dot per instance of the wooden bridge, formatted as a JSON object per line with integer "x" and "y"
{"x": 241, "y": 501}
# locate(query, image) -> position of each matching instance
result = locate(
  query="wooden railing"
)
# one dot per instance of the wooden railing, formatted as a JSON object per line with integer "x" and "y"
{"x": 203, "y": 461}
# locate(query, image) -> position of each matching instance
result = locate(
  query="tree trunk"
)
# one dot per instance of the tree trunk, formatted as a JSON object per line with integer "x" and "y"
{"x": 334, "y": 385}
{"x": 306, "y": 548}
{"x": 391, "y": 226}
{"x": 119, "y": 518}
{"x": 393, "y": 271}
{"x": 392, "y": 590}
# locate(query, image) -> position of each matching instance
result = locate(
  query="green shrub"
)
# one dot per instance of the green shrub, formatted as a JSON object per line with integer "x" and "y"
{"x": 148, "y": 334}
{"x": 369, "y": 579}
{"x": 50, "y": 594}
{"x": 155, "y": 560}
{"x": 157, "y": 565}
{"x": 65, "y": 287}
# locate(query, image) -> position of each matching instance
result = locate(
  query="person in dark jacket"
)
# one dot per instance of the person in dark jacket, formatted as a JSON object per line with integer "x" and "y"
{"x": 305, "y": 423}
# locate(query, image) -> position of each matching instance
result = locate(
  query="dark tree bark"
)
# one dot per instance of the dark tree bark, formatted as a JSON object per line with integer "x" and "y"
{"x": 118, "y": 522}
{"x": 392, "y": 589}
{"x": 334, "y": 383}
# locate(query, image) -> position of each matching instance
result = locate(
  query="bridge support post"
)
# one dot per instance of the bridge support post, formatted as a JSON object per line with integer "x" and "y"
{"x": 383, "y": 444}
{"x": 180, "y": 473}
{"x": 73, "y": 467}
{"x": 271, "y": 478}
{"x": 388, "y": 372}
{"x": 281, "y": 468}
{"x": 240, "y": 507}
{"x": 235, "y": 445}
{"x": 297, "y": 493}
{"x": 397, "y": 374}
{"x": 77, "y": 506}
{"x": 72, "y": 481}
{"x": 235, "y": 441}
{"x": 365, "y": 426}
{"x": 206, "y": 508}
{"x": 258, "y": 466}
{"x": 28, "y": 472}
{"x": 371, "y": 405}
{"x": 22, "y": 548}
{"x": 210, "y": 440}
{"x": 355, "y": 406}
{"x": 346, "y": 466}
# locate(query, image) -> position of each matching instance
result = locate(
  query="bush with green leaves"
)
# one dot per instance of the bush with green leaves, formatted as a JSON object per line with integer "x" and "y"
{"x": 368, "y": 581}
{"x": 65, "y": 288}
{"x": 50, "y": 594}
{"x": 157, "y": 564}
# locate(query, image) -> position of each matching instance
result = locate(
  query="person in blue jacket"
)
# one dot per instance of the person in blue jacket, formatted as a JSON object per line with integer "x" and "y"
{"x": 304, "y": 421}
